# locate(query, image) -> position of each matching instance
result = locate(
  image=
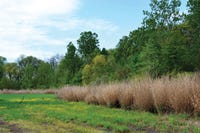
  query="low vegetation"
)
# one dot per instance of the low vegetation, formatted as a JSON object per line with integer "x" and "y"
{"x": 36, "y": 91}
{"x": 167, "y": 43}
{"x": 45, "y": 113}
{"x": 163, "y": 95}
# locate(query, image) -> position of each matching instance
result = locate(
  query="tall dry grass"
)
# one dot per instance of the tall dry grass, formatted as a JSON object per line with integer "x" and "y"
{"x": 179, "y": 95}
{"x": 73, "y": 93}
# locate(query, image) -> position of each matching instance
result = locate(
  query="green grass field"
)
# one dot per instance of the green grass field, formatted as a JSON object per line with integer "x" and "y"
{"x": 45, "y": 113}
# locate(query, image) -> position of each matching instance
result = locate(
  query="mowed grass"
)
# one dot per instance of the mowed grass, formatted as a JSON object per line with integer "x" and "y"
{"x": 46, "y": 113}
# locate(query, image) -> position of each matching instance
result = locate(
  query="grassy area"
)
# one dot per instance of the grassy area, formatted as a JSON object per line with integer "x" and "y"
{"x": 46, "y": 113}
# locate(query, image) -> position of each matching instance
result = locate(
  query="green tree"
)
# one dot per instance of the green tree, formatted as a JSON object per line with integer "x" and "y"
{"x": 11, "y": 79}
{"x": 29, "y": 60}
{"x": 70, "y": 65}
{"x": 12, "y": 71}
{"x": 166, "y": 45}
{"x": 88, "y": 46}
{"x": 151, "y": 60}
{"x": 2, "y": 71}
{"x": 194, "y": 22}
{"x": 100, "y": 68}
{"x": 54, "y": 61}
{"x": 94, "y": 72}
{"x": 125, "y": 49}
{"x": 104, "y": 52}
{"x": 28, "y": 79}
{"x": 28, "y": 70}
{"x": 44, "y": 76}
{"x": 164, "y": 14}
{"x": 2, "y": 62}
{"x": 87, "y": 74}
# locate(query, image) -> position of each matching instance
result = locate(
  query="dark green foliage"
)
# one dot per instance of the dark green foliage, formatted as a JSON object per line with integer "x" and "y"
{"x": 167, "y": 43}
{"x": 104, "y": 52}
{"x": 88, "y": 46}
{"x": 54, "y": 61}
{"x": 30, "y": 60}
{"x": 164, "y": 14}
{"x": 70, "y": 66}
{"x": 28, "y": 71}
{"x": 151, "y": 58}
{"x": 5, "y": 83}
{"x": 9, "y": 75}
{"x": 194, "y": 22}
{"x": 2, "y": 61}
{"x": 125, "y": 49}
{"x": 45, "y": 76}
{"x": 77, "y": 79}
{"x": 28, "y": 79}
{"x": 12, "y": 71}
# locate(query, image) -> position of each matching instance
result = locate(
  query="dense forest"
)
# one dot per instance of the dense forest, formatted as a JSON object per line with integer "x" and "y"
{"x": 167, "y": 43}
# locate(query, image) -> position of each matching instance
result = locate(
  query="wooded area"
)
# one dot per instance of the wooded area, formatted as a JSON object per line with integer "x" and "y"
{"x": 167, "y": 43}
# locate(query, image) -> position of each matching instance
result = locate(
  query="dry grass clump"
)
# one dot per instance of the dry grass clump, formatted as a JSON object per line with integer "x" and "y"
{"x": 176, "y": 94}
{"x": 143, "y": 95}
{"x": 72, "y": 93}
{"x": 127, "y": 95}
{"x": 196, "y": 93}
{"x": 93, "y": 96}
{"x": 110, "y": 94}
{"x": 160, "y": 93}
{"x": 179, "y": 95}
{"x": 104, "y": 95}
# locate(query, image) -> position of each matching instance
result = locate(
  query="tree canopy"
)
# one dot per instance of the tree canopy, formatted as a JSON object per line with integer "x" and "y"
{"x": 167, "y": 43}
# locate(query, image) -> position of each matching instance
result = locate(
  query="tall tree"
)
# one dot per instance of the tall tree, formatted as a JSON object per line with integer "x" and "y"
{"x": 54, "y": 61}
{"x": 125, "y": 49}
{"x": 44, "y": 75}
{"x": 194, "y": 22}
{"x": 70, "y": 64}
{"x": 12, "y": 71}
{"x": 151, "y": 57}
{"x": 163, "y": 14}
{"x": 166, "y": 44}
{"x": 28, "y": 70}
{"x": 88, "y": 46}
{"x": 2, "y": 62}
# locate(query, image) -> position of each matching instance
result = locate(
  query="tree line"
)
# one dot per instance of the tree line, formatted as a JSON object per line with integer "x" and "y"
{"x": 167, "y": 43}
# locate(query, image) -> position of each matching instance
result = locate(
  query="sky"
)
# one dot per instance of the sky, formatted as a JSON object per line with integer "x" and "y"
{"x": 43, "y": 28}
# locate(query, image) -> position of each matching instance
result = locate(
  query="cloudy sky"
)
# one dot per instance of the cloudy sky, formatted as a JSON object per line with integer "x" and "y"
{"x": 43, "y": 28}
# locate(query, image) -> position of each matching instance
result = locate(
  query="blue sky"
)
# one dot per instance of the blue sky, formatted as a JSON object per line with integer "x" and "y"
{"x": 43, "y": 28}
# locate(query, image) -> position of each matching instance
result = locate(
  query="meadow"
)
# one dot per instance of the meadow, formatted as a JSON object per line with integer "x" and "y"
{"x": 45, "y": 113}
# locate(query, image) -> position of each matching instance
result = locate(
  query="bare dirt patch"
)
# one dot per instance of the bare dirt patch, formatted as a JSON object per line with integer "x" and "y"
{"x": 13, "y": 128}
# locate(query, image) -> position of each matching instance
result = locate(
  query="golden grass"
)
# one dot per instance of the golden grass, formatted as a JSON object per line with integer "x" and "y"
{"x": 73, "y": 93}
{"x": 179, "y": 95}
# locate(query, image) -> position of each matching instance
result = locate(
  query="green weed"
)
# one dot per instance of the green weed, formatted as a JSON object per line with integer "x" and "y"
{"x": 39, "y": 112}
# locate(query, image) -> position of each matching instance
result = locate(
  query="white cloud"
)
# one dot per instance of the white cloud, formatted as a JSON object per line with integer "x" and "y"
{"x": 25, "y": 27}
{"x": 19, "y": 20}
{"x": 34, "y": 9}
{"x": 92, "y": 24}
